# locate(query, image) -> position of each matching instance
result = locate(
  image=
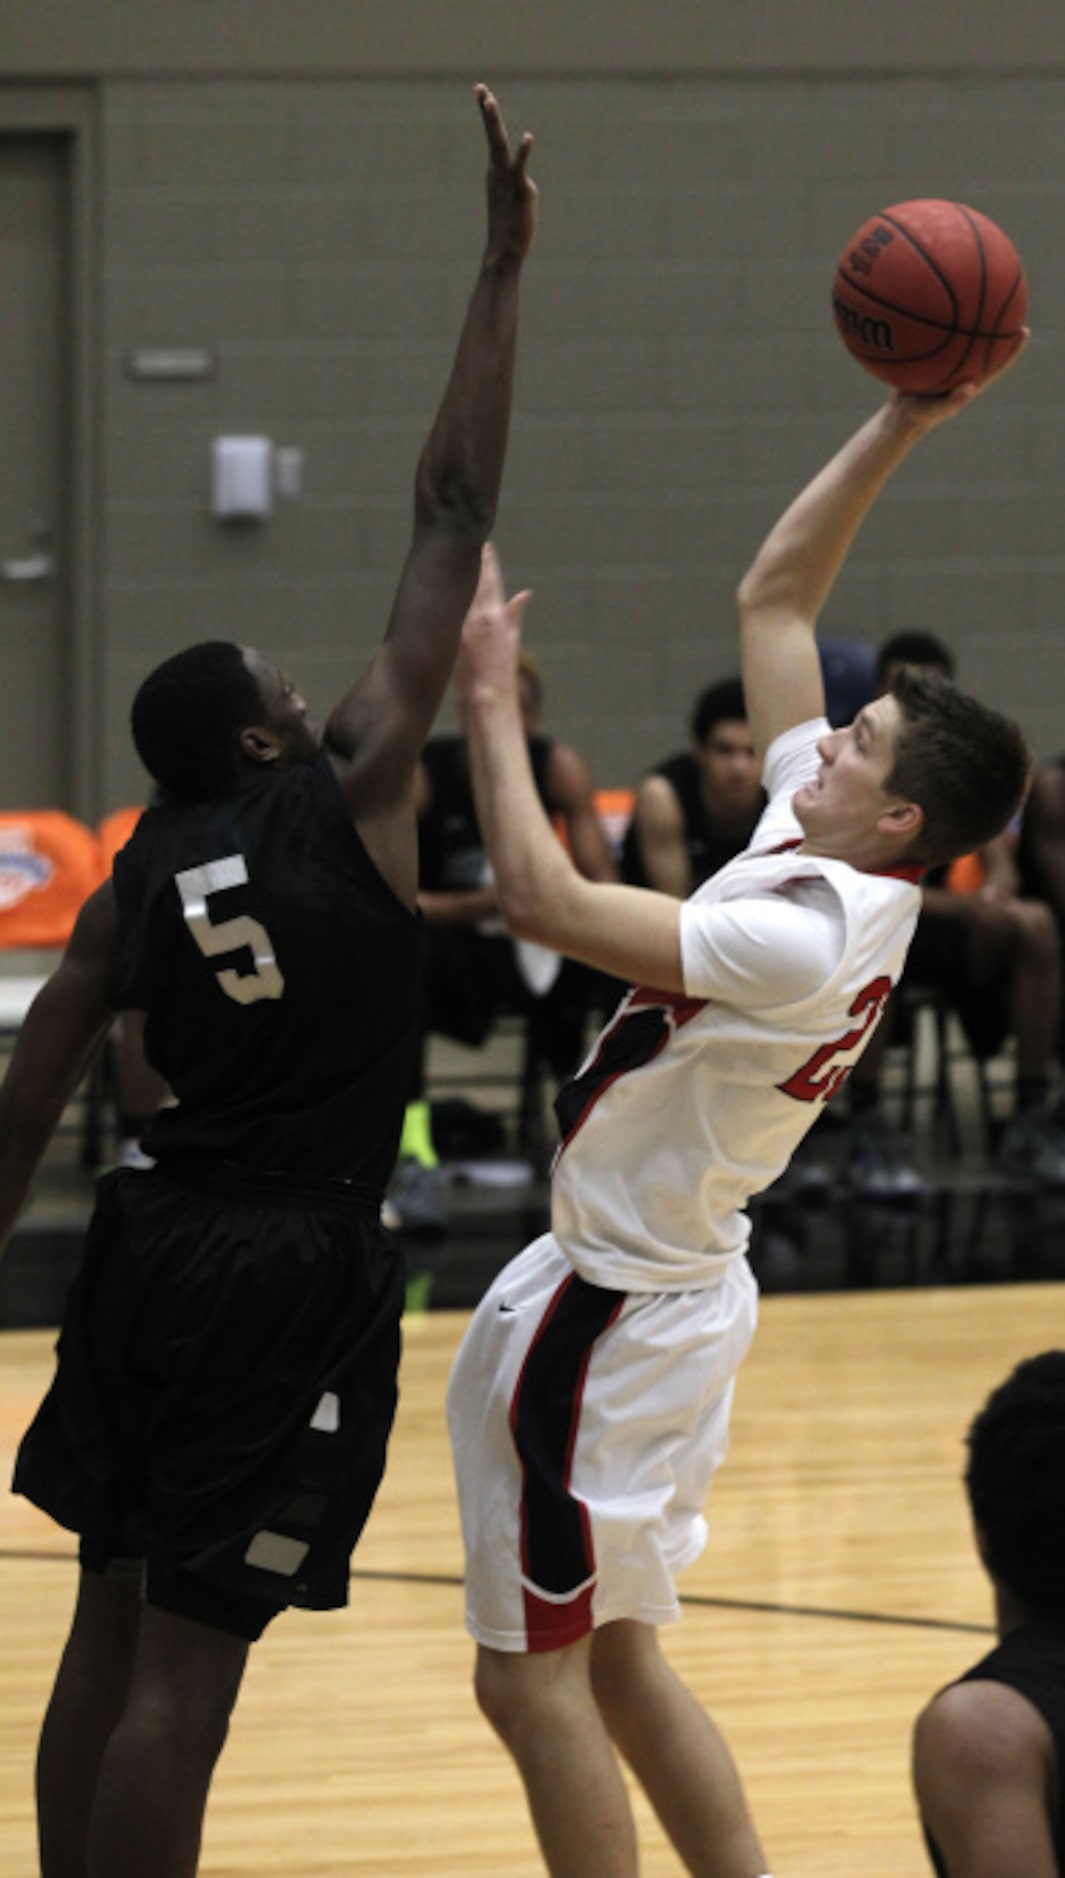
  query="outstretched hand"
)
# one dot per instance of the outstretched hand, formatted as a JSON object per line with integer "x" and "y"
{"x": 491, "y": 636}
{"x": 511, "y": 190}
{"x": 923, "y": 412}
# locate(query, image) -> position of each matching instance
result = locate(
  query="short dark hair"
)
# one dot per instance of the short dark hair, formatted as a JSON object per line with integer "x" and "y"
{"x": 914, "y": 648}
{"x": 187, "y": 716}
{"x": 1015, "y": 1480}
{"x": 720, "y": 703}
{"x": 966, "y": 765}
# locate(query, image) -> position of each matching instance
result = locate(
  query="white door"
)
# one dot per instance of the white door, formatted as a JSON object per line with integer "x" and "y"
{"x": 36, "y": 764}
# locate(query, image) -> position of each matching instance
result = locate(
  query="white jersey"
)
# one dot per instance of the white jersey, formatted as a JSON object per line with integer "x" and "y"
{"x": 689, "y": 1103}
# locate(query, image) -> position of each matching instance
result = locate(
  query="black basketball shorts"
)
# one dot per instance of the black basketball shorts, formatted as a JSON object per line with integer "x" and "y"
{"x": 224, "y": 1394}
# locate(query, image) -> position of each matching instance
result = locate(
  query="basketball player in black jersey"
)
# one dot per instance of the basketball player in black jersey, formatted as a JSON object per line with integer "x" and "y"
{"x": 989, "y": 1750}
{"x": 227, "y": 1368}
{"x": 697, "y": 809}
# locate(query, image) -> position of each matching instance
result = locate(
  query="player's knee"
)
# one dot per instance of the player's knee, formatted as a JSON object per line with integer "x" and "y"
{"x": 495, "y": 1687}
{"x": 626, "y": 1668}
{"x": 519, "y": 1693}
{"x": 610, "y": 1687}
{"x": 189, "y": 1733}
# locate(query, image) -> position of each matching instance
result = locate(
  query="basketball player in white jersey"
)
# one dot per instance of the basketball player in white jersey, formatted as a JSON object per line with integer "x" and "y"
{"x": 590, "y": 1401}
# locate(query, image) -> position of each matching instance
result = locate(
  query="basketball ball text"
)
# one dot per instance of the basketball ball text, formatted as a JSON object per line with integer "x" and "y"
{"x": 876, "y": 334}
{"x": 860, "y": 259}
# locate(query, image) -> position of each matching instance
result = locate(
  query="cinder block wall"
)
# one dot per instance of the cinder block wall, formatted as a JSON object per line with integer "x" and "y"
{"x": 680, "y": 376}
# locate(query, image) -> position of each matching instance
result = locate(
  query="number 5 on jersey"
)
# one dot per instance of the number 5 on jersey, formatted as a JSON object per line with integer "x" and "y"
{"x": 196, "y": 885}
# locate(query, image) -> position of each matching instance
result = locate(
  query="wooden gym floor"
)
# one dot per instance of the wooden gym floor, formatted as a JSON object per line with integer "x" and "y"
{"x": 838, "y": 1590}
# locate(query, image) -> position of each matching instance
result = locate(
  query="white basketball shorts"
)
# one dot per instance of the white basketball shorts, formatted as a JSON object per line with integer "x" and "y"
{"x": 586, "y": 1427}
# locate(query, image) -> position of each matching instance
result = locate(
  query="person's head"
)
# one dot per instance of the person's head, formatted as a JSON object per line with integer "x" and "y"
{"x": 966, "y": 765}
{"x": 848, "y": 670}
{"x": 924, "y": 774}
{"x": 214, "y": 717}
{"x": 724, "y": 749}
{"x": 1015, "y": 1481}
{"x": 530, "y": 693}
{"x": 912, "y": 648}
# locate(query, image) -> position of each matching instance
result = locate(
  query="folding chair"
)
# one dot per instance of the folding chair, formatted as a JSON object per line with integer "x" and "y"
{"x": 930, "y": 1031}
{"x": 614, "y": 808}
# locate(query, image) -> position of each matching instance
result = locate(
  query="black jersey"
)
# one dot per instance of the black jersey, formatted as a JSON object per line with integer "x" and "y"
{"x": 1031, "y": 1660}
{"x": 281, "y": 980}
{"x": 709, "y": 844}
{"x": 452, "y": 854}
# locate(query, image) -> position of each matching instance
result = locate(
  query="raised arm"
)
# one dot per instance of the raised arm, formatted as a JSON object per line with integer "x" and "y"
{"x": 376, "y": 731}
{"x": 784, "y": 590}
{"x": 661, "y": 838}
{"x": 625, "y": 931}
{"x": 66, "y": 1022}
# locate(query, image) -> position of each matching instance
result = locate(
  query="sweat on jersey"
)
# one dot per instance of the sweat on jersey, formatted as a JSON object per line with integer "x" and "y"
{"x": 689, "y": 1103}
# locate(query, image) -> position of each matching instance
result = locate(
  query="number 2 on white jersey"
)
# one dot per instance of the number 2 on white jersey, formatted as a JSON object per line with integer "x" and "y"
{"x": 196, "y": 886}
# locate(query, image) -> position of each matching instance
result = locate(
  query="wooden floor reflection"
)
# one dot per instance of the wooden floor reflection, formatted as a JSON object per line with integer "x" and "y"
{"x": 838, "y": 1590}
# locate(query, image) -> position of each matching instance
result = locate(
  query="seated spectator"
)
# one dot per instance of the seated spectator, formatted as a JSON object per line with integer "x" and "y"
{"x": 1041, "y": 847}
{"x": 474, "y": 970}
{"x": 697, "y": 809}
{"x": 996, "y": 957}
{"x": 989, "y": 1750}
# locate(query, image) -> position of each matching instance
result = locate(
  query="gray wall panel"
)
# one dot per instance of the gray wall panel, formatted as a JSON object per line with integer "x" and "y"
{"x": 679, "y": 373}
{"x": 383, "y": 37}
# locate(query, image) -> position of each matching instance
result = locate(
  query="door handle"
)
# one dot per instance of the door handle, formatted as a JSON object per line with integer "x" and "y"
{"x": 32, "y": 567}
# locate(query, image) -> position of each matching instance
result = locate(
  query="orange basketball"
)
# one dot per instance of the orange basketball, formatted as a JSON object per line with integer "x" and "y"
{"x": 928, "y": 294}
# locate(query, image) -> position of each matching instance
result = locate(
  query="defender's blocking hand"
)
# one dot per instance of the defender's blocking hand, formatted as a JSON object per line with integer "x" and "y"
{"x": 511, "y": 190}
